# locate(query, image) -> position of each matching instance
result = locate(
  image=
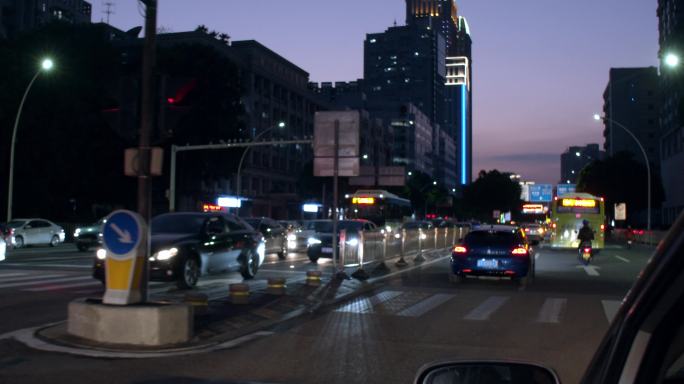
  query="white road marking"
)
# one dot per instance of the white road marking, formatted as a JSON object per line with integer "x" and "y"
{"x": 426, "y": 305}
{"x": 364, "y": 305}
{"x": 62, "y": 286}
{"x": 551, "y": 310}
{"x": 30, "y": 265}
{"x": 34, "y": 277}
{"x": 487, "y": 308}
{"x": 621, "y": 258}
{"x": 536, "y": 256}
{"x": 3, "y": 275}
{"x": 591, "y": 270}
{"x": 48, "y": 281}
{"x": 610, "y": 308}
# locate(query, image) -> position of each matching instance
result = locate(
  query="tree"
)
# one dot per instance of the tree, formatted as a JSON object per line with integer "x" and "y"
{"x": 491, "y": 191}
{"x": 621, "y": 178}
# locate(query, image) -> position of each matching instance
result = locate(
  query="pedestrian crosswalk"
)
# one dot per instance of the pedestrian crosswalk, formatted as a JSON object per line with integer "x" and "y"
{"x": 43, "y": 281}
{"x": 540, "y": 310}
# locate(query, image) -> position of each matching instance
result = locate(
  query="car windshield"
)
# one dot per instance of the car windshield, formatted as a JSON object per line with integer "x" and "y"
{"x": 461, "y": 144}
{"x": 489, "y": 239}
{"x": 177, "y": 224}
{"x": 16, "y": 223}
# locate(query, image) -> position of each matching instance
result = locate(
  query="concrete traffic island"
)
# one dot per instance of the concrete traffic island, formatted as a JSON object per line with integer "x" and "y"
{"x": 150, "y": 324}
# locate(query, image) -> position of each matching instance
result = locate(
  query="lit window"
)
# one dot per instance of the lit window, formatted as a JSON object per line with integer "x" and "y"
{"x": 372, "y": 41}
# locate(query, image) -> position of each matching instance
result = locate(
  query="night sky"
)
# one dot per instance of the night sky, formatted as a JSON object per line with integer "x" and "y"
{"x": 540, "y": 66}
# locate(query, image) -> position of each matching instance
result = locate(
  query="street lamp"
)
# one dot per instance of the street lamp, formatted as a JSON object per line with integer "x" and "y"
{"x": 242, "y": 159}
{"x": 45, "y": 66}
{"x": 671, "y": 60}
{"x": 648, "y": 164}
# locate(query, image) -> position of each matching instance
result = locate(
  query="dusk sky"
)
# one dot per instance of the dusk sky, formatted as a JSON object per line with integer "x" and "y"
{"x": 540, "y": 66}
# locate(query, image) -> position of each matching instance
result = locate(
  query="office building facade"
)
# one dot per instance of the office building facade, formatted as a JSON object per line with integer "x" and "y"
{"x": 575, "y": 158}
{"x": 671, "y": 29}
{"x": 17, "y": 16}
{"x": 631, "y": 98}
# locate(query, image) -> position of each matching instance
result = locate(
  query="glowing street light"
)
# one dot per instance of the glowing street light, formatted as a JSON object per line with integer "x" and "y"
{"x": 672, "y": 60}
{"x": 45, "y": 66}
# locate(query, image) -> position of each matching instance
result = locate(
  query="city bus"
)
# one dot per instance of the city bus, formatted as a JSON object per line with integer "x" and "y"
{"x": 383, "y": 208}
{"x": 567, "y": 214}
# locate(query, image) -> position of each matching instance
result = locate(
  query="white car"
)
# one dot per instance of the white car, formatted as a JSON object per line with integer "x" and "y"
{"x": 35, "y": 232}
{"x": 3, "y": 249}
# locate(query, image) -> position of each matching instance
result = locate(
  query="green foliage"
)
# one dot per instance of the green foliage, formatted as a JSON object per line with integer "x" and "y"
{"x": 491, "y": 191}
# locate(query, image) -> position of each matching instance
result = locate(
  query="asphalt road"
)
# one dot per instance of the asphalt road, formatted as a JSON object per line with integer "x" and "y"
{"x": 412, "y": 319}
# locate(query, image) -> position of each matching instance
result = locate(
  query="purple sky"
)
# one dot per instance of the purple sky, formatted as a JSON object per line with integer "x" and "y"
{"x": 540, "y": 66}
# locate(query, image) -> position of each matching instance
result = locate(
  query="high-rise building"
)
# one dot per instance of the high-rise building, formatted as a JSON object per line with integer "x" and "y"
{"x": 406, "y": 64}
{"x": 574, "y": 159}
{"x": 18, "y": 16}
{"x": 671, "y": 28}
{"x": 631, "y": 98}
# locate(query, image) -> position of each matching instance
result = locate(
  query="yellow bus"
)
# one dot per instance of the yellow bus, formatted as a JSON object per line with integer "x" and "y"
{"x": 567, "y": 214}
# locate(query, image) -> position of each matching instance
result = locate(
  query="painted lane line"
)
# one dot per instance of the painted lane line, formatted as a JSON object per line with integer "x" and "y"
{"x": 591, "y": 270}
{"x": 552, "y": 310}
{"x": 49, "y": 281}
{"x": 621, "y": 258}
{"x": 610, "y": 308}
{"x": 366, "y": 304}
{"x": 426, "y": 305}
{"x": 487, "y": 308}
{"x": 3, "y": 275}
{"x": 34, "y": 277}
{"x": 32, "y": 265}
{"x": 62, "y": 286}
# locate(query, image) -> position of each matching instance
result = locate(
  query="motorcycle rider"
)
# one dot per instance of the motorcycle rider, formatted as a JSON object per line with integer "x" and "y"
{"x": 586, "y": 234}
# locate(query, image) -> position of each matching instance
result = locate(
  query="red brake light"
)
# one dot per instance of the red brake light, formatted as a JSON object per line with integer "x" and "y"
{"x": 527, "y": 229}
{"x": 519, "y": 251}
{"x": 603, "y": 227}
{"x": 460, "y": 249}
{"x": 587, "y": 250}
{"x": 553, "y": 225}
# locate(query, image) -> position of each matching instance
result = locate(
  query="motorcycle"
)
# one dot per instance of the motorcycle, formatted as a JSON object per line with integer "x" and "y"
{"x": 585, "y": 252}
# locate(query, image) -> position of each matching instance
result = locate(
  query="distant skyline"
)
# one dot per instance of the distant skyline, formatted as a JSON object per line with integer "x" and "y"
{"x": 539, "y": 67}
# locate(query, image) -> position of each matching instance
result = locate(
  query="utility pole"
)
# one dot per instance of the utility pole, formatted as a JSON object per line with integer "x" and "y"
{"x": 147, "y": 109}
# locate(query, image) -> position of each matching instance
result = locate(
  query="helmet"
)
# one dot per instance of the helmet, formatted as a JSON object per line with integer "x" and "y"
{"x": 585, "y": 223}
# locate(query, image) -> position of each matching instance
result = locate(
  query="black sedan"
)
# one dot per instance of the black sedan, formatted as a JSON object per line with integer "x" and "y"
{"x": 185, "y": 246}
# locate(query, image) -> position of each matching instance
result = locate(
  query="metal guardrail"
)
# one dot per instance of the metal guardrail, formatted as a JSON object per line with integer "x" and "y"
{"x": 372, "y": 249}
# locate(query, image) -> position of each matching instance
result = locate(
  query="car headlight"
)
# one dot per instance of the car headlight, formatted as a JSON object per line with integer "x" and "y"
{"x": 101, "y": 254}
{"x": 388, "y": 228}
{"x": 313, "y": 241}
{"x": 353, "y": 242}
{"x": 77, "y": 232}
{"x": 397, "y": 235}
{"x": 166, "y": 254}
{"x": 291, "y": 237}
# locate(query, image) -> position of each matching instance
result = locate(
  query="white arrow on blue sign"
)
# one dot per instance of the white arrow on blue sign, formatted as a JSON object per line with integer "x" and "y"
{"x": 121, "y": 233}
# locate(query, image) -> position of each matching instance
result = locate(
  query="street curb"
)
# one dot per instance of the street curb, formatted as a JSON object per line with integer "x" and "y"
{"x": 32, "y": 338}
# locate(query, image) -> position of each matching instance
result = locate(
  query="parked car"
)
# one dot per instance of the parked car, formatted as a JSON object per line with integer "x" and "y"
{"x": 35, "y": 232}
{"x": 186, "y": 246}
{"x": 320, "y": 243}
{"x": 90, "y": 236}
{"x": 495, "y": 250}
{"x": 274, "y": 234}
{"x": 3, "y": 249}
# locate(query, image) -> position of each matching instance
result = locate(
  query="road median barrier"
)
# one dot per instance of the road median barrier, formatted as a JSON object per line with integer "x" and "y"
{"x": 313, "y": 278}
{"x": 239, "y": 293}
{"x": 276, "y": 286}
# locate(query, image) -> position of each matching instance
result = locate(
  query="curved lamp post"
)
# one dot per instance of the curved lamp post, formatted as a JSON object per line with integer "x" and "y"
{"x": 45, "y": 66}
{"x": 643, "y": 152}
{"x": 242, "y": 159}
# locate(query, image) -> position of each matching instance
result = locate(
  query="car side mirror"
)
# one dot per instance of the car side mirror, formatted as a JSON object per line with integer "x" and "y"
{"x": 476, "y": 372}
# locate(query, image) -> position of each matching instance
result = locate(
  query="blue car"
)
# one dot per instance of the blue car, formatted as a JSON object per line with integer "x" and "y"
{"x": 496, "y": 250}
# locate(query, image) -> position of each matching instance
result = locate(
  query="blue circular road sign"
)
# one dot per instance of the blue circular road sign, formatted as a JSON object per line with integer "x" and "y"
{"x": 122, "y": 232}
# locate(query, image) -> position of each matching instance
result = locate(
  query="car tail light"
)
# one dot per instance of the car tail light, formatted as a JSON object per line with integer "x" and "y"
{"x": 553, "y": 225}
{"x": 587, "y": 250}
{"x": 460, "y": 249}
{"x": 527, "y": 229}
{"x": 519, "y": 251}
{"x": 467, "y": 270}
{"x": 603, "y": 227}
